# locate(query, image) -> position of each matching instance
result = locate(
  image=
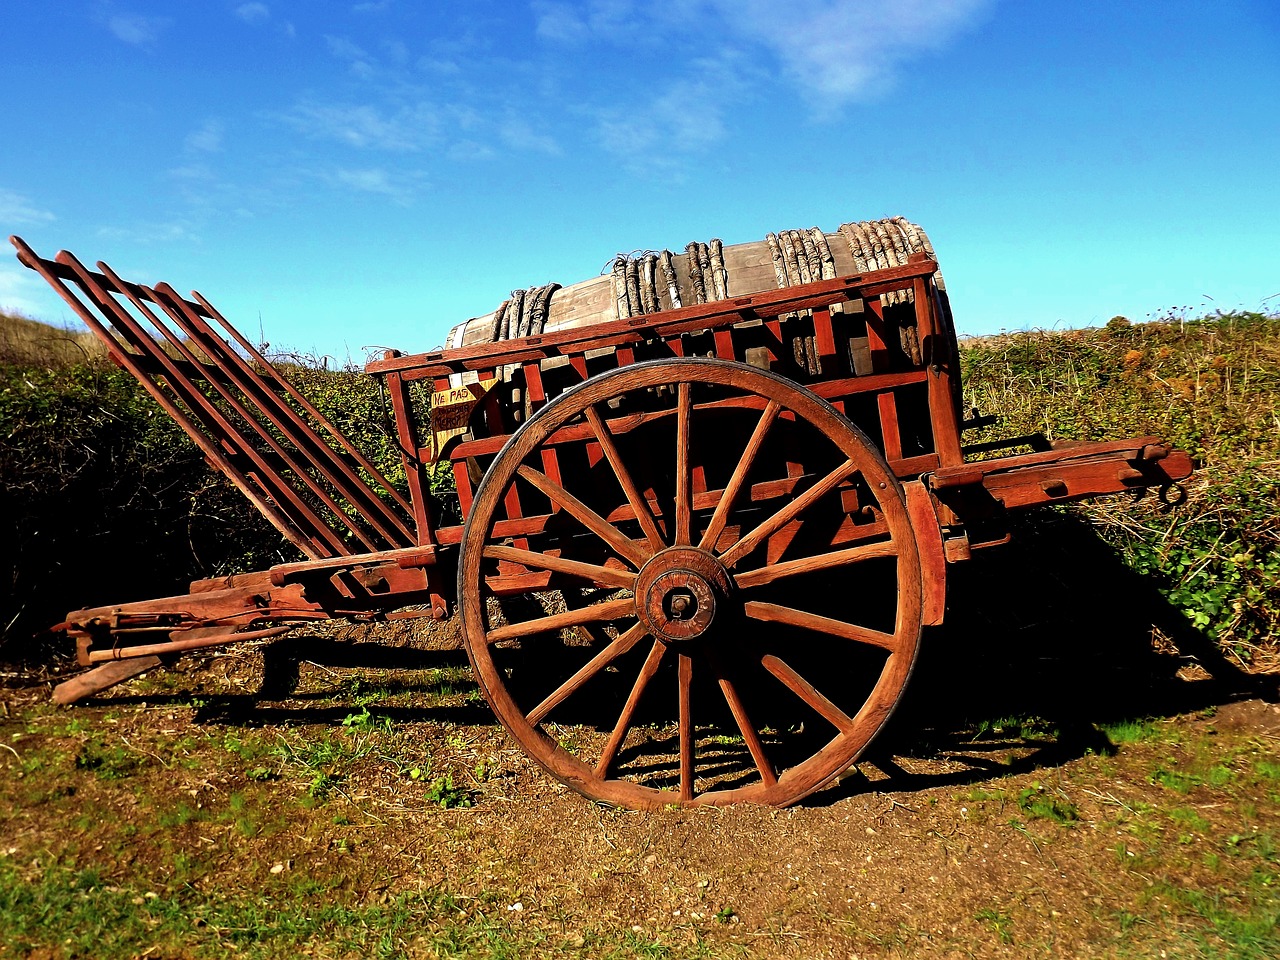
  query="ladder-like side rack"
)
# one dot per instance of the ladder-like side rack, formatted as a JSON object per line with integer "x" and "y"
{"x": 315, "y": 486}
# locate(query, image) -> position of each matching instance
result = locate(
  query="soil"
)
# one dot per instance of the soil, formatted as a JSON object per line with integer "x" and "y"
{"x": 1048, "y": 786}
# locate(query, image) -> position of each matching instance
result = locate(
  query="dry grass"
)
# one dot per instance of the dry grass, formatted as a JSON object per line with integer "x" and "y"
{"x": 24, "y": 341}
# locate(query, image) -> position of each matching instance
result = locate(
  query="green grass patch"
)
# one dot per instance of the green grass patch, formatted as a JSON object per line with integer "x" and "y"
{"x": 1125, "y": 732}
{"x": 1037, "y": 802}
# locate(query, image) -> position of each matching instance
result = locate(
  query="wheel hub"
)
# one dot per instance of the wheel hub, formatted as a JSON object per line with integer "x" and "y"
{"x": 679, "y": 593}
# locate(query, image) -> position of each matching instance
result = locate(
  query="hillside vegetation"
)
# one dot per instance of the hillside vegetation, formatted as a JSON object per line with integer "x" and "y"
{"x": 103, "y": 499}
{"x": 1210, "y": 386}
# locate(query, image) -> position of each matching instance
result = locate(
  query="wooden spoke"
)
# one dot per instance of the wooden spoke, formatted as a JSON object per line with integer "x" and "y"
{"x": 801, "y": 503}
{"x": 822, "y": 561}
{"x": 603, "y": 576}
{"x": 619, "y": 734}
{"x": 687, "y": 730}
{"x": 684, "y": 472}
{"x": 625, "y": 547}
{"x": 634, "y": 497}
{"x": 749, "y": 734}
{"x": 606, "y": 610}
{"x": 683, "y": 602}
{"x": 739, "y": 476}
{"x": 807, "y": 692}
{"x": 620, "y": 645}
{"x": 776, "y": 613}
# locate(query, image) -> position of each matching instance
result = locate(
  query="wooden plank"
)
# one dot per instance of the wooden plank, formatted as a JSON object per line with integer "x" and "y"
{"x": 407, "y": 440}
{"x": 828, "y": 390}
{"x": 654, "y": 326}
{"x": 890, "y": 430}
{"x": 941, "y": 361}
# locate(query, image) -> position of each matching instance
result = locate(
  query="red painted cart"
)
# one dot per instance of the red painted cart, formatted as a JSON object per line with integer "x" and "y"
{"x": 700, "y": 541}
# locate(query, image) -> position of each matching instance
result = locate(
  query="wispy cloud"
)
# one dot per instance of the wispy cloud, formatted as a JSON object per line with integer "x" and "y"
{"x": 367, "y": 126}
{"x": 399, "y": 186}
{"x": 836, "y": 51}
{"x": 609, "y": 20}
{"x": 206, "y": 139}
{"x": 253, "y": 12}
{"x": 135, "y": 29}
{"x": 175, "y": 231}
{"x": 356, "y": 58}
{"x": 519, "y": 134}
{"x": 19, "y": 211}
{"x": 662, "y": 131}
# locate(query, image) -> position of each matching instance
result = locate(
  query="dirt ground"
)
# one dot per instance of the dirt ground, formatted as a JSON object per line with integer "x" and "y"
{"x": 1082, "y": 828}
{"x": 1063, "y": 778}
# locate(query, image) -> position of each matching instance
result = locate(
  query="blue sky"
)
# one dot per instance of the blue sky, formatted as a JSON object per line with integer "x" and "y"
{"x": 338, "y": 175}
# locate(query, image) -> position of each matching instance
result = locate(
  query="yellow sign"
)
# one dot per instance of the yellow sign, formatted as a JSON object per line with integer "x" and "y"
{"x": 451, "y": 411}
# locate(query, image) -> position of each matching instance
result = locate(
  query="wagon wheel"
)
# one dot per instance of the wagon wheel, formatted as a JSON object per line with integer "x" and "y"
{"x": 690, "y": 581}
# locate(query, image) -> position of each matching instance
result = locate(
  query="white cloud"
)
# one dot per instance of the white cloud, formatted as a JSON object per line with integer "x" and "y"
{"x": 611, "y": 20}
{"x": 172, "y": 232}
{"x": 344, "y": 49}
{"x": 361, "y": 64}
{"x": 660, "y": 132}
{"x": 399, "y": 187}
{"x": 136, "y": 29}
{"x": 206, "y": 139}
{"x": 560, "y": 22}
{"x": 468, "y": 151}
{"x": 521, "y": 135}
{"x": 193, "y": 173}
{"x": 372, "y": 7}
{"x": 253, "y": 12}
{"x": 834, "y": 51}
{"x": 367, "y": 126}
{"x": 18, "y": 211}
{"x": 837, "y": 51}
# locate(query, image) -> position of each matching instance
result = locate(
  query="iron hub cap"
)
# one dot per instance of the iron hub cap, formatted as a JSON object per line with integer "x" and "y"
{"x": 679, "y": 592}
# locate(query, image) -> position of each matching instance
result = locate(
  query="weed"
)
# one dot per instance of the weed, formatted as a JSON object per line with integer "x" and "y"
{"x": 366, "y": 721}
{"x": 1189, "y": 819}
{"x": 442, "y": 791}
{"x": 107, "y": 763}
{"x": 180, "y": 816}
{"x": 1129, "y": 731}
{"x": 1001, "y": 923}
{"x": 1175, "y": 780}
{"x": 1036, "y": 802}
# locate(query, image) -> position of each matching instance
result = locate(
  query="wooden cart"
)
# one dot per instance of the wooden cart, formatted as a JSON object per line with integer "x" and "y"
{"x": 701, "y": 538}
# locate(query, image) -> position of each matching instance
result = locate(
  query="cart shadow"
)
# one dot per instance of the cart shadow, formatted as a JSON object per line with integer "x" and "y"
{"x": 1047, "y": 641}
{"x": 393, "y": 671}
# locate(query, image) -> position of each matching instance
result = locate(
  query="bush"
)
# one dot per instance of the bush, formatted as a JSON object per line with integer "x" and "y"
{"x": 104, "y": 499}
{"x": 1210, "y": 386}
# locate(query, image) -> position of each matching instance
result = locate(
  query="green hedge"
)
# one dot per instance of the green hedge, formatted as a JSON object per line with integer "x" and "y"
{"x": 1210, "y": 386}
{"x": 103, "y": 499}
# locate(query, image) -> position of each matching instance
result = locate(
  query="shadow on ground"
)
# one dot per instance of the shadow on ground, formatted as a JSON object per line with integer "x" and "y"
{"x": 1047, "y": 640}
